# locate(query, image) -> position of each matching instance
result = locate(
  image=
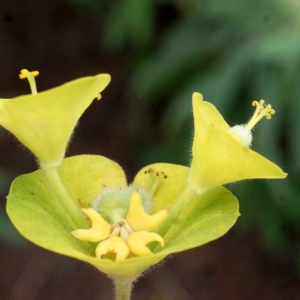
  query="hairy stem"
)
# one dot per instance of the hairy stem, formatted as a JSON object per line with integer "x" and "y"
{"x": 123, "y": 287}
{"x": 76, "y": 216}
{"x": 186, "y": 197}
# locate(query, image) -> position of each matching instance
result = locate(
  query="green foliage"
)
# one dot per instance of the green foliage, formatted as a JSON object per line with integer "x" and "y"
{"x": 130, "y": 23}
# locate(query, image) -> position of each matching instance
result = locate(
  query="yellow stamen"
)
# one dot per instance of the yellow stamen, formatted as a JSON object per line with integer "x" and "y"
{"x": 24, "y": 73}
{"x": 99, "y": 231}
{"x": 155, "y": 179}
{"x": 262, "y": 110}
{"x": 138, "y": 219}
{"x": 115, "y": 245}
{"x": 121, "y": 229}
{"x": 138, "y": 240}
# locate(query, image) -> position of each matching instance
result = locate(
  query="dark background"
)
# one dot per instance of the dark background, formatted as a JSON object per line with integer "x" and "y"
{"x": 158, "y": 53}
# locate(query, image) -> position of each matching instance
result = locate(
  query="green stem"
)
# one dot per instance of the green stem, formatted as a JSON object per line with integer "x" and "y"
{"x": 71, "y": 210}
{"x": 186, "y": 197}
{"x": 123, "y": 287}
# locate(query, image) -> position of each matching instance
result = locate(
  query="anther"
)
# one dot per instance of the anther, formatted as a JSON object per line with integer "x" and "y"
{"x": 155, "y": 179}
{"x": 148, "y": 171}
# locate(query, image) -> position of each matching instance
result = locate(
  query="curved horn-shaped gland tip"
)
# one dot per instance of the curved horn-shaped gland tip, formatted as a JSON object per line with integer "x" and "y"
{"x": 114, "y": 245}
{"x": 138, "y": 240}
{"x": 138, "y": 219}
{"x": 99, "y": 231}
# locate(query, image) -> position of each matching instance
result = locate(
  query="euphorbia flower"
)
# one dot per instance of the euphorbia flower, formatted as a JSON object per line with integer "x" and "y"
{"x": 44, "y": 121}
{"x": 221, "y": 154}
{"x": 124, "y": 229}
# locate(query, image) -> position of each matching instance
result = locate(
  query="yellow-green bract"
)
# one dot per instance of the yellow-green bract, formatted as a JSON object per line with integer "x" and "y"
{"x": 32, "y": 207}
{"x": 44, "y": 122}
{"x": 218, "y": 157}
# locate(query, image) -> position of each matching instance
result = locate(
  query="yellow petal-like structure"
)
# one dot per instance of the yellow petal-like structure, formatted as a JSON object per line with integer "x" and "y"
{"x": 209, "y": 112}
{"x": 44, "y": 122}
{"x": 138, "y": 219}
{"x": 96, "y": 174}
{"x": 114, "y": 245}
{"x": 169, "y": 189}
{"x": 99, "y": 231}
{"x": 137, "y": 242}
{"x": 218, "y": 157}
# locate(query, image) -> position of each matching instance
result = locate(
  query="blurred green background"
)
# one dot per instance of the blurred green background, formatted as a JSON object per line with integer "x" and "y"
{"x": 159, "y": 52}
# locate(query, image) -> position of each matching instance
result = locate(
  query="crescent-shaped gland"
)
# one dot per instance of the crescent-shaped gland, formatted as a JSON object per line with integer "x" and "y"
{"x": 138, "y": 219}
{"x": 137, "y": 242}
{"x": 114, "y": 245}
{"x": 99, "y": 231}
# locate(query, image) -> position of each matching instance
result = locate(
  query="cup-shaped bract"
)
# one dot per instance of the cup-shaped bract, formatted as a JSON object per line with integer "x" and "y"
{"x": 44, "y": 122}
{"x": 218, "y": 156}
{"x": 33, "y": 208}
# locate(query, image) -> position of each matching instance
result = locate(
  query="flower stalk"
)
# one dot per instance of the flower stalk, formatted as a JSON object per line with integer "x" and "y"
{"x": 71, "y": 211}
{"x": 123, "y": 286}
{"x": 183, "y": 201}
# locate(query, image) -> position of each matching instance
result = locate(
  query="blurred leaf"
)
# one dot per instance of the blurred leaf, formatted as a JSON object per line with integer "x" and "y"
{"x": 131, "y": 22}
{"x": 273, "y": 234}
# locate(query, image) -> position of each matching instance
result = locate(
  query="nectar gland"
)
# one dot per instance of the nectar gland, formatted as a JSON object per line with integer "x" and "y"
{"x": 243, "y": 132}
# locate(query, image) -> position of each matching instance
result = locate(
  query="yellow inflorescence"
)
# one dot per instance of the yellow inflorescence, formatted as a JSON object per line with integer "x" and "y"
{"x": 262, "y": 110}
{"x": 130, "y": 235}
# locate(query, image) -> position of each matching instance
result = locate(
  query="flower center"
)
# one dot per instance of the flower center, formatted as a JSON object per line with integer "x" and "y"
{"x": 132, "y": 229}
{"x": 243, "y": 132}
{"x": 125, "y": 236}
{"x": 121, "y": 229}
{"x": 30, "y": 76}
{"x": 113, "y": 204}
